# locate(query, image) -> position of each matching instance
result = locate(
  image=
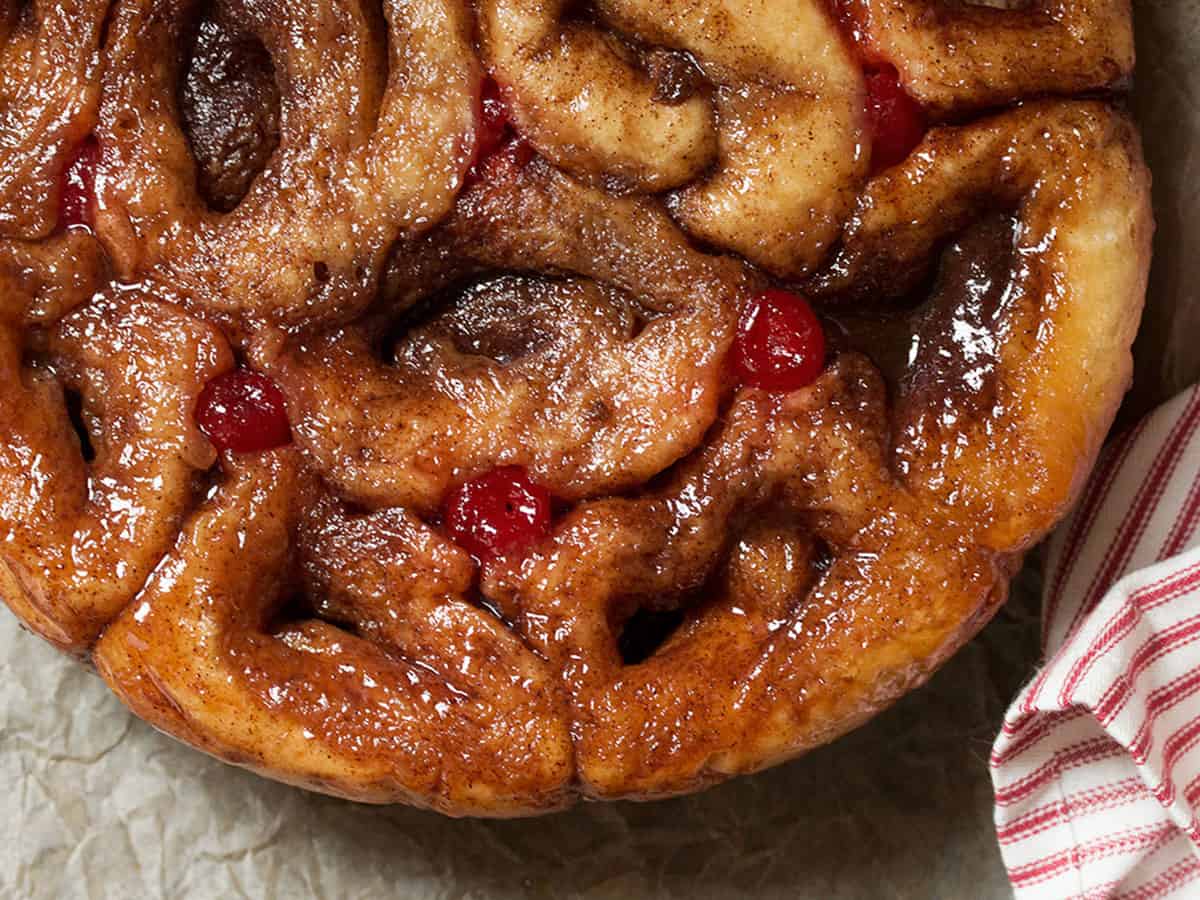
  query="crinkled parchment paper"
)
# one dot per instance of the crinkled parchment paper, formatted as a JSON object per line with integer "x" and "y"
{"x": 97, "y": 804}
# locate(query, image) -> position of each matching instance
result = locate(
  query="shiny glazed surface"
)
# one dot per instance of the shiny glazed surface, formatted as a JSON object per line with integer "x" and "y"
{"x": 731, "y": 575}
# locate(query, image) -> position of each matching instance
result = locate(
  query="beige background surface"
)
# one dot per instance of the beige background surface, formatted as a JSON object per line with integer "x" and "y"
{"x": 96, "y": 804}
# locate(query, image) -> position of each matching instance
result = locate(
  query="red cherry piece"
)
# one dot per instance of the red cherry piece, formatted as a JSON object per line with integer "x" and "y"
{"x": 77, "y": 198}
{"x": 243, "y": 411}
{"x": 491, "y": 126}
{"x": 499, "y": 512}
{"x": 780, "y": 345}
{"x": 897, "y": 120}
{"x": 493, "y": 119}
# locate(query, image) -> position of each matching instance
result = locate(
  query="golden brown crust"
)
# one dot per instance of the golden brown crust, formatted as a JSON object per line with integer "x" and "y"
{"x": 577, "y": 408}
{"x": 814, "y": 554}
{"x": 49, "y": 87}
{"x": 366, "y": 152}
{"x": 965, "y": 55}
{"x": 461, "y": 718}
{"x": 82, "y": 537}
{"x": 766, "y": 164}
{"x": 49, "y": 96}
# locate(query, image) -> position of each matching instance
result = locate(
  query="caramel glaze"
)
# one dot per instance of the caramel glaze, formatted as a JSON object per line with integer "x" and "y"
{"x": 375, "y": 137}
{"x": 595, "y": 409}
{"x": 923, "y": 502}
{"x": 957, "y": 56}
{"x": 299, "y": 612}
{"x": 49, "y": 88}
{"x": 49, "y": 94}
{"x": 766, "y": 164}
{"x": 925, "y": 510}
{"x": 437, "y": 704}
{"x": 81, "y": 538}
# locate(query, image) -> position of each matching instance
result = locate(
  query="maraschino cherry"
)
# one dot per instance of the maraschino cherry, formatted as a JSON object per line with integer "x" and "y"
{"x": 492, "y": 127}
{"x": 493, "y": 119}
{"x": 77, "y": 197}
{"x": 497, "y": 513}
{"x": 243, "y": 411}
{"x": 897, "y": 120}
{"x": 780, "y": 345}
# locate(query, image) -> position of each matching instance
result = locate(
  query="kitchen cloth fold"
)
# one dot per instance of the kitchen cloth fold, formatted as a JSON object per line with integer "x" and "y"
{"x": 1097, "y": 767}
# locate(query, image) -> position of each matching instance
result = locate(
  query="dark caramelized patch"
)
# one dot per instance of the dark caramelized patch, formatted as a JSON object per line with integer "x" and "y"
{"x": 229, "y": 105}
{"x": 507, "y": 318}
{"x": 18, "y": 16}
{"x": 74, "y": 402}
{"x": 491, "y": 319}
{"x": 946, "y": 319}
{"x": 676, "y": 77}
{"x": 295, "y": 607}
{"x": 646, "y": 631}
{"x": 493, "y": 609}
{"x": 885, "y": 338}
{"x": 288, "y": 611}
{"x": 822, "y": 556}
{"x": 957, "y": 335}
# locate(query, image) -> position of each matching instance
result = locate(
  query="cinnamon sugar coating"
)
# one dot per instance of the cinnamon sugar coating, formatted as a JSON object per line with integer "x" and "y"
{"x": 732, "y": 576}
